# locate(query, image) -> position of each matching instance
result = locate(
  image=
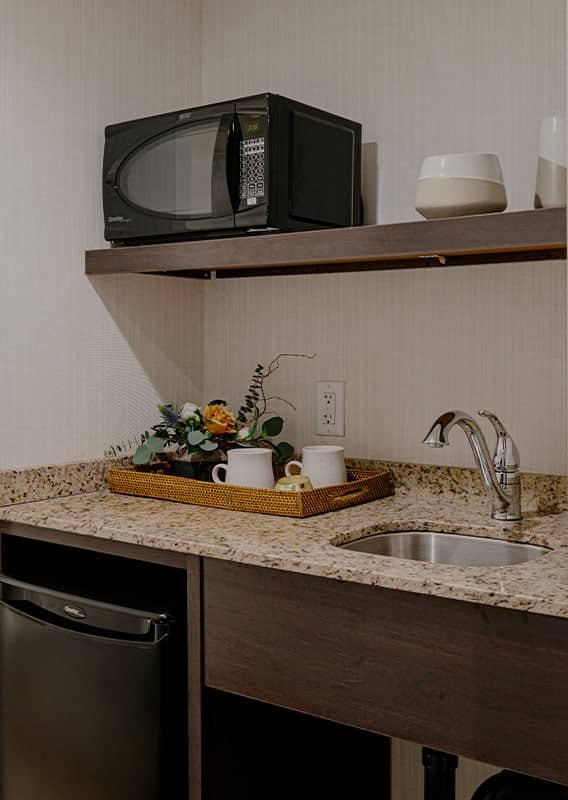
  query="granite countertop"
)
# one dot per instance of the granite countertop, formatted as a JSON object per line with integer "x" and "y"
{"x": 307, "y": 546}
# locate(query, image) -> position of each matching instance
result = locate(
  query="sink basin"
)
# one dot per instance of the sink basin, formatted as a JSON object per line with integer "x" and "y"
{"x": 447, "y": 548}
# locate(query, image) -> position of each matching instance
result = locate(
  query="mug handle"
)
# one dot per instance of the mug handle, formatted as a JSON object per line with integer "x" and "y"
{"x": 292, "y": 464}
{"x": 215, "y": 473}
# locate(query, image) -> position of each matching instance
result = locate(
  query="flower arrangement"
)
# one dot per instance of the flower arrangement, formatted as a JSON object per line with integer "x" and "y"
{"x": 215, "y": 428}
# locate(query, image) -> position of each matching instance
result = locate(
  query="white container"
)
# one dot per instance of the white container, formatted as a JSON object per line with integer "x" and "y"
{"x": 247, "y": 467}
{"x": 324, "y": 464}
{"x": 553, "y": 139}
{"x": 550, "y": 189}
{"x": 459, "y": 184}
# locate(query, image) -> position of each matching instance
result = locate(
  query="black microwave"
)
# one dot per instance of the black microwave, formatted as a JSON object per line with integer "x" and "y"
{"x": 262, "y": 163}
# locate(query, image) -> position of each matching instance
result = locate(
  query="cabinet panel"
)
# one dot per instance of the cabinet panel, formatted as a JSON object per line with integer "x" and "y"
{"x": 482, "y": 682}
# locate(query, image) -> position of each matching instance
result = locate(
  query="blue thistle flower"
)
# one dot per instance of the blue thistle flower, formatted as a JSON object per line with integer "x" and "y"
{"x": 170, "y": 414}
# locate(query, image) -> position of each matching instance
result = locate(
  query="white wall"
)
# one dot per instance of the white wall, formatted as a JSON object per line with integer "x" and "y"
{"x": 423, "y": 77}
{"x": 82, "y": 363}
{"x": 409, "y": 346}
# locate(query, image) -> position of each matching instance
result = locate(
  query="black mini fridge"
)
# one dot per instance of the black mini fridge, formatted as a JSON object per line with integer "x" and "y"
{"x": 83, "y": 694}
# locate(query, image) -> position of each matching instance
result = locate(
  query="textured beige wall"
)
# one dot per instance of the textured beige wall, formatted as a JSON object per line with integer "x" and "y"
{"x": 92, "y": 357}
{"x": 423, "y": 77}
{"x": 83, "y": 362}
{"x": 409, "y": 346}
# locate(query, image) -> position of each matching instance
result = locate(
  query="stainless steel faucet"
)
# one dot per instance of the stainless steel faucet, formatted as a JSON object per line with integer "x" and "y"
{"x": 501, "y": 474}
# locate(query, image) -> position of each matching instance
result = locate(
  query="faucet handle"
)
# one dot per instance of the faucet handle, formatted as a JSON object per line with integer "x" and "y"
{"x": 506, "y": 456}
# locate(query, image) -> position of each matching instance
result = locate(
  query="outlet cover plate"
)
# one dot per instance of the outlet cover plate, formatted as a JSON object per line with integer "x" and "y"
{"x": 330, "y": 408}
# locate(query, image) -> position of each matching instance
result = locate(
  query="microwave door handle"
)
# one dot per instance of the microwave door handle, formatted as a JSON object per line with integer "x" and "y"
{"x": 234, "y": 162}
{"x": 225, "y": 175}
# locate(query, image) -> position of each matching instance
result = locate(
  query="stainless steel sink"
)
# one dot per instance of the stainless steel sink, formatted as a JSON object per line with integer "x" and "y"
{"x": 447, "y": 548}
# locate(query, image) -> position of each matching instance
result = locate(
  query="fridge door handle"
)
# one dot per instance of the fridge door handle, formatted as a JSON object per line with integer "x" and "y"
{"x": 81, "y": 615}
{"x": 99, "y": 635}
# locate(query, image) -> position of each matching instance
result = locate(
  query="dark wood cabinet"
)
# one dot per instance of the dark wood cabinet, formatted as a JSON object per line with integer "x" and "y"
{"x": 295, "y": 683}
{"x": 482, "y": 682}
{"x": 234, "y": 747}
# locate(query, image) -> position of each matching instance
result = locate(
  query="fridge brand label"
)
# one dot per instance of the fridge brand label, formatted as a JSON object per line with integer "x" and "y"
{"x": 76, "y": 612}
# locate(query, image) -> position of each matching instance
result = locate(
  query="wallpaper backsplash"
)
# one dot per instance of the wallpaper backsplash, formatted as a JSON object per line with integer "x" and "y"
{"x": 423, "y": 77}
{"x": 83, "y": 362}
{"x": 409, "y": 345}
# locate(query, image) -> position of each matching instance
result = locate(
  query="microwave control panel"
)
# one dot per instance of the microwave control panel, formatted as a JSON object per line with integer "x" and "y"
{"x": 251, "y": 185}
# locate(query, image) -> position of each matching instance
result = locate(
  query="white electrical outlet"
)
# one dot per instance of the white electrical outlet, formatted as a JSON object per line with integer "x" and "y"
{"x": 330, "y": 408}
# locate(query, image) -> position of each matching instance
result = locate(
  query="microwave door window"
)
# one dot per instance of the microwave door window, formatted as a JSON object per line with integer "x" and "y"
{"x": 172, "y": 174}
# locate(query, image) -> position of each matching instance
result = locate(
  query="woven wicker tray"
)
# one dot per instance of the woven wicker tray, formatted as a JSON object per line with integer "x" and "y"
{"x": 360, "y": 488}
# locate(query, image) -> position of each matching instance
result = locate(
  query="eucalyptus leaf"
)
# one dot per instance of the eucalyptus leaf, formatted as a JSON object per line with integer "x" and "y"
{"x": 208, "y": 446}
{"x": 142, "y": 455}
{"x": 272, "y": 426}
{"x": 154, "y": 444}
{"x": 195, "y": 437}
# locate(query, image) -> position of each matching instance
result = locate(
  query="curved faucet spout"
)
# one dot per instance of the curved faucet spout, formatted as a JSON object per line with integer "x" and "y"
{"x": 437, "y": 436}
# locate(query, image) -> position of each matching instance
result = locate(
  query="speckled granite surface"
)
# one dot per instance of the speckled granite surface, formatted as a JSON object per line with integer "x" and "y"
{"x": 544, "y": 493}
{"x": 307, "y": 546}
{"x": 42, "y": 483}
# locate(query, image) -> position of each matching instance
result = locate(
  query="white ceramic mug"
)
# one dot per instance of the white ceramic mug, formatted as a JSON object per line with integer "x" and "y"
{"x": 247, "y": 467}
{"x": 324, "y": 464}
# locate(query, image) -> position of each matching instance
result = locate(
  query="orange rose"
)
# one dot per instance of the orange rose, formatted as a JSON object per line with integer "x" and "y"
{"x": 218, "y": 419}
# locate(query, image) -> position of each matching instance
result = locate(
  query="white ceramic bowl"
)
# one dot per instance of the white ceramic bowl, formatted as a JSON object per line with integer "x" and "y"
{"x": 482, "y": 166}
{"x": 458, "y": 184}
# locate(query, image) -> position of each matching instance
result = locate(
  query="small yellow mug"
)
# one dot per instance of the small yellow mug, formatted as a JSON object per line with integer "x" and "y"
{"x": 294, "y": 483}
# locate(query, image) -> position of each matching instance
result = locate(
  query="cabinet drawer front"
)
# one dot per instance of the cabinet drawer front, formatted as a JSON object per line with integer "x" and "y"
{"x": 483, "y": 682}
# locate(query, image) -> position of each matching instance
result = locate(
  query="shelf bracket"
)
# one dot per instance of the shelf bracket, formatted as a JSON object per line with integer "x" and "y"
{"x": 435, "y": 259}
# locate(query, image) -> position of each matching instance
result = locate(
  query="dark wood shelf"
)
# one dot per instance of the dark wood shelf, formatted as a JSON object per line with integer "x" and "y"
{"x": 487, "y": 238}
